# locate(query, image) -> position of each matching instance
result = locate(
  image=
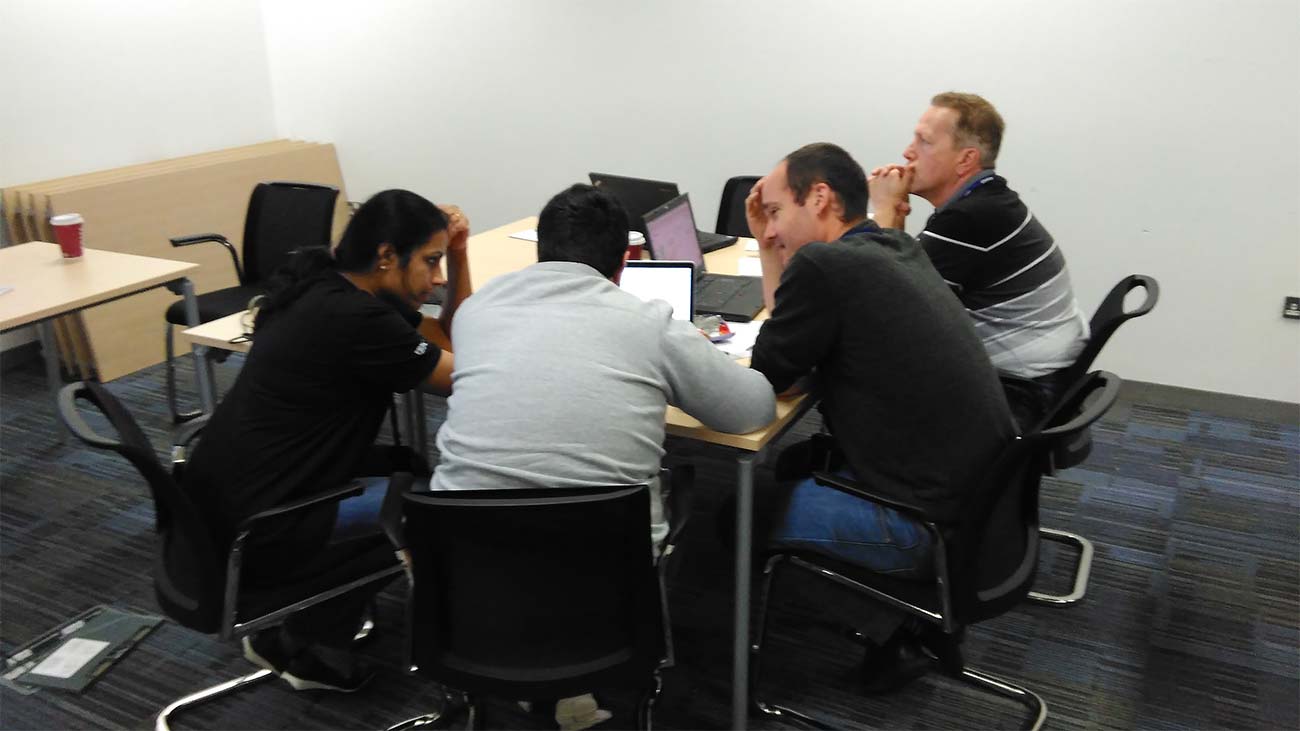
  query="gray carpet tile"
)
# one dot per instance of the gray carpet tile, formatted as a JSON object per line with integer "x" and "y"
{"x": 1192, "y": 619}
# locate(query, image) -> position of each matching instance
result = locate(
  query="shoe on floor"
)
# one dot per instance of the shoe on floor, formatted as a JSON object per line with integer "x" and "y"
{"x": 307, "y": 672}
{"x": 895, "y": 664}
{"x": 263, "y": 650}
{"x": 579, "y": 712}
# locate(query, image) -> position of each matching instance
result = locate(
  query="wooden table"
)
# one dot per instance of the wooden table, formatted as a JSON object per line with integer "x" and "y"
{"x": 46, "y": 285}
{"x": 493, "y": 253}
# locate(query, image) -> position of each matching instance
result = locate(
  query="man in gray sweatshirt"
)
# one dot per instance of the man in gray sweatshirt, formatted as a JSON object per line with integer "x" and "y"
{"x": 562, "y": 379}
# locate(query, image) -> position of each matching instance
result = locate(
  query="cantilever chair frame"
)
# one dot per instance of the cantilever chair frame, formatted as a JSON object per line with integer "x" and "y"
{"x": 1032, "y": 447}
{"x": 1110, "y": 314}
{"x": 231, "y": 626}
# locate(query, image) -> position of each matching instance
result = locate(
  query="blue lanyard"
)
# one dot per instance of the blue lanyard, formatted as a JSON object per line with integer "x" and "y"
{"x": 975, "y": 184}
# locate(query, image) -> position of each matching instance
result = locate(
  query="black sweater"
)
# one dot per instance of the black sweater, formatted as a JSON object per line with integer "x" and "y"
{"x": 914, "y": 403}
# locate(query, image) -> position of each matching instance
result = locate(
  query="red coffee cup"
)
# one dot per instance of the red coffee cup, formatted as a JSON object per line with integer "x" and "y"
{"x": 67, "y": 230}
{"x": 635, "y": 244}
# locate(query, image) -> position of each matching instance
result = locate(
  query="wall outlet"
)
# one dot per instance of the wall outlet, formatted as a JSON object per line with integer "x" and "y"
{"x": 1291, "y": 308}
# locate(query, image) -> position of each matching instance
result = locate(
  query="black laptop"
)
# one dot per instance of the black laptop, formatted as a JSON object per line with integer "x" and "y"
{"x": 670, "y": 232}
{"x": 640, "y": 196}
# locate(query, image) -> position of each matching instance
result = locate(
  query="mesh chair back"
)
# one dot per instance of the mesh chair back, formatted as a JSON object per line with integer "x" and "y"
{"x": 188, "y": 574}
{"x": 1109, "y": 316}
{"x": 284, "y": 217}
{"x": 731, "y": 209}
{"x": 994, "y": 555}
{"x": 534, "y": 593}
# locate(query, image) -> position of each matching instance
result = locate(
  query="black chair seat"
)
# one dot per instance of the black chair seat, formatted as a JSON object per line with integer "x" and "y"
{"x": 215, "y": 305}
{"x": 334, "y": 566}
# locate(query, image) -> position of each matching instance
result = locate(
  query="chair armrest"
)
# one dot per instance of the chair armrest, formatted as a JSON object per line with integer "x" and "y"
{"x": 827, "y": 479}
{"x": 190, "y": 431}
{"x": 1107, "y": 383}
{"x": 181, "y": 444}
{"x": 850, "y": 487}
{"x": 72, "y": 419}
{"x": 178, "y": 241}
{"x": 335, "y": 495}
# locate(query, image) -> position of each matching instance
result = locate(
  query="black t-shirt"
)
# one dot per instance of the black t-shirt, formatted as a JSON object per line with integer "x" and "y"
{"x": 307, "y": 405}
{"x": 907, "y": 388}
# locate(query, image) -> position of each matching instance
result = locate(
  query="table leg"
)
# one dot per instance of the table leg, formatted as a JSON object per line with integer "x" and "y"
{"x": 744, "y": 542}
{"x": 53, "y": 374}
{"x": 202, "y": 366}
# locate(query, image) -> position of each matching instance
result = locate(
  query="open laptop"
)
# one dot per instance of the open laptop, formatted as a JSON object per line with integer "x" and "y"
{"x": 670, "y": 231}
{"x": 670, "y": 281}
{"x": 640, "y": 196}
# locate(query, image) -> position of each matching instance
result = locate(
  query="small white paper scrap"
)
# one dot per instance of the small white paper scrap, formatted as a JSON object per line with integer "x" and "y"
{"x": 528, "y": 234}
{"x": 742, "y": 343}
{"x": 750, "y": 266}
{"x": 67, "y": 660}
{"x": 751, "y": 245}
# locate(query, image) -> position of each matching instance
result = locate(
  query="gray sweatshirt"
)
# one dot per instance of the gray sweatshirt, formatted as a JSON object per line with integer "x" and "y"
{"x": 562, "y": 380}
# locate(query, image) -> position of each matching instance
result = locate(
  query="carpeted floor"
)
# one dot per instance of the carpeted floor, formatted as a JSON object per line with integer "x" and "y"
{"x": 1192, "y": 619}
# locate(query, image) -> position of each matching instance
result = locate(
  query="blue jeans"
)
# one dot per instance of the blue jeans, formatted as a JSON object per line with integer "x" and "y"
{"x": 359, "y": 516}
{"x": 835, "y": 524}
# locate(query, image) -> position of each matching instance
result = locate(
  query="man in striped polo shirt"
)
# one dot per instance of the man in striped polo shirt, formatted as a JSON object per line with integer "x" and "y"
{"x": 998, "y": 258}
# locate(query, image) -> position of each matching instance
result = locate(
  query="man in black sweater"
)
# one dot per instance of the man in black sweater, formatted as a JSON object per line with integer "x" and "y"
{"x": 914, "y": 406}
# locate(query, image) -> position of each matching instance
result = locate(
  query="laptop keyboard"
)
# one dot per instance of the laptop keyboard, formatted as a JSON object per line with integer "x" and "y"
{"x": 714, "y": 293}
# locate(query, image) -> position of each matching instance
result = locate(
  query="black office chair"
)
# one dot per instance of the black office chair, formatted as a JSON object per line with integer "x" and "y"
{"x": 1110, "y": 314}
{"x": 197, "y": 577}
{"x": 731, "y": 209}
{"x": 983, "y": 566}
{"x": 539, "y": 593}
{"x": 281, "y": 218}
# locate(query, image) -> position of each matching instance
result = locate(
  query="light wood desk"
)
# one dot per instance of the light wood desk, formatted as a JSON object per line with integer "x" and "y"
{"x": 45, "y": 285}
{"x": 493, "y": 253}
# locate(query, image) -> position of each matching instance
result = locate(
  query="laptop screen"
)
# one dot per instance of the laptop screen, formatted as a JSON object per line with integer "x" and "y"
{"x": 670, "y": 281}
{"x": 638, "y": 195}
{"x": 670, "y": 230}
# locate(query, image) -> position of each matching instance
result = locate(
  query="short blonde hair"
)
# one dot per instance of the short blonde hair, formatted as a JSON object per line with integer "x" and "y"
{"x": 978, "y": 124}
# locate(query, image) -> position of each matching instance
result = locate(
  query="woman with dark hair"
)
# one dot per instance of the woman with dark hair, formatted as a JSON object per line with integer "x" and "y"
{"x": 335, "y": 338}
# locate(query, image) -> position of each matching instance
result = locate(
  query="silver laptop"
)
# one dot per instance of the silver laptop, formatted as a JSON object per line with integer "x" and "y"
{"x": 670, "y": 281}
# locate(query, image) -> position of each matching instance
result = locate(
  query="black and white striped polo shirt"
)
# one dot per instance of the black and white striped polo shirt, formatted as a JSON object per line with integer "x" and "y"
{"x": 1010, "y": 275}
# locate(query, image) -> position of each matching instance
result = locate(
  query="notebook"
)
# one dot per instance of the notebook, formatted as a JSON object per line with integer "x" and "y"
{"x": 670, "y": 281}
{"x": 640, "y": 196}
{"x": 670, "y": 233}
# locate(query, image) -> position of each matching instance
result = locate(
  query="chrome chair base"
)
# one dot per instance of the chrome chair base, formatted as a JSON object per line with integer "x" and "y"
{"x": 162, "y": 722}
{"x": 1028, "y": 698}
{"x": 1081, "y": 572}
{"x": 980, "y": 680}
{"x": 443, "y": 716}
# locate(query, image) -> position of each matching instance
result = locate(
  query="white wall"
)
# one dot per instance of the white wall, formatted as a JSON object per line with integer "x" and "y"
{"x": 1154, "y": 136}
{"x": 94, "y": 85}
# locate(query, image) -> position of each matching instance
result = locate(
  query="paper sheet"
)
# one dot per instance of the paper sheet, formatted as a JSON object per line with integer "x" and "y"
{"x": 67, "y": 660}
{"x": 742, "y": 343}
{"x": 528, "y": 234}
